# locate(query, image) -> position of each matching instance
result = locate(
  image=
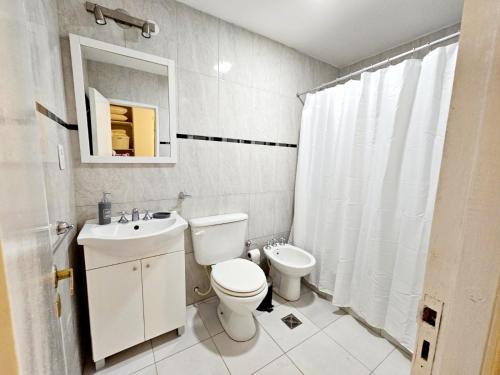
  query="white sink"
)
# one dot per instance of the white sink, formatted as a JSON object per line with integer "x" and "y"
{"x": 132, "y": 237}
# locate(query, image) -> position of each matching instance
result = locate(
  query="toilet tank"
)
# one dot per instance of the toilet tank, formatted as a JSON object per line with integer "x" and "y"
{"x": 218, "y": 238}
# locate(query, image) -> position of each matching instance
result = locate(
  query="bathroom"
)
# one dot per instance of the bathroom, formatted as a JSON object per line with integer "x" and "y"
{"x": 283, "y": 183}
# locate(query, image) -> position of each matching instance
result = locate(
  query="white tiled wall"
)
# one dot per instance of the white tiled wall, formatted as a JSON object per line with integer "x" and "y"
{"x": 59, "y": 190}
{"x": 254, "y": 100}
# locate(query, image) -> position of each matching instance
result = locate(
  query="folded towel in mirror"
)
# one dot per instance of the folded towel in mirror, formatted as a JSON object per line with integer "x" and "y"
{"x": 116, "y": 117}
{"x": 118, "y": 110}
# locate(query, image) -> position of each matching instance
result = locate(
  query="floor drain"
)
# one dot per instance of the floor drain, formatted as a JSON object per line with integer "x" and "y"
{"x": 291, "y": 321}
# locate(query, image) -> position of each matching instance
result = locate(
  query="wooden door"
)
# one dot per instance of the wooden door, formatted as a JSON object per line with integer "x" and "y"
{"x": 100, "y": 119}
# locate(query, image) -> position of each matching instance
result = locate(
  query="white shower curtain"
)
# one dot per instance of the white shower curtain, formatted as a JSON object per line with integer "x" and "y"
{"x": 367, "y": 174}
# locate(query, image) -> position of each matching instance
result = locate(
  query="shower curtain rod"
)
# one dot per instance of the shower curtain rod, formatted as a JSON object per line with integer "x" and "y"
{"x": 377, "y": 65}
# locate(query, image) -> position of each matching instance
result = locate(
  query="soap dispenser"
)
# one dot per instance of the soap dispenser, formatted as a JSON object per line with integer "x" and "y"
{"x": 104, "y": 208}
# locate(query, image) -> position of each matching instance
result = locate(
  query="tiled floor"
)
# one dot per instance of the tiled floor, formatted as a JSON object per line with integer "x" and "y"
{"x": 327, "y": 342}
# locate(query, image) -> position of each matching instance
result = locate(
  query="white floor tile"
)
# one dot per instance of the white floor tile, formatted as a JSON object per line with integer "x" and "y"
{"x": 200, "y": 359}
{"x": 169, "y": 343}
{"x": 247, "y": 357}
{"x": 208, "y": 313}
{"x": 321, "y": 355}
{"x": 396, "y": 364}
{"x": 280, "y": 366}
{"x": 126, "y": 362}
{"x": 285, "y": 337}
{"x": 359, "y": 341}
{"x": 319, "y": 310}
{"x": 150, "y": 370}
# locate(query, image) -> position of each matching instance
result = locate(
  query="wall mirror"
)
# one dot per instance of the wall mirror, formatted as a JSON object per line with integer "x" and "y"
{"x": 125, "y": 103}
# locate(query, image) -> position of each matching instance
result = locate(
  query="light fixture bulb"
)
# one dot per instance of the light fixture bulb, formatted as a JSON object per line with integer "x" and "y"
{"x": 99, "y": 17}
{"x": 146, "y": 30}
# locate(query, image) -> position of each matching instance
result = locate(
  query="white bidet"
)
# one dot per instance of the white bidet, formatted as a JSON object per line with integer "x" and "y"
{"x": 292, "y": 263}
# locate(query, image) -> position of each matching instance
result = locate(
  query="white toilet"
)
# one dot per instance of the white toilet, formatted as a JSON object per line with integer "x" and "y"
{"x": 241, "y": 285}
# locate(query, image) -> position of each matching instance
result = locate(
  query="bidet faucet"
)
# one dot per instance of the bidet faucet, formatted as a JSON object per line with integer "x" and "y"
{"x": 135, "y": 214}
{"x": 282, "y": 241}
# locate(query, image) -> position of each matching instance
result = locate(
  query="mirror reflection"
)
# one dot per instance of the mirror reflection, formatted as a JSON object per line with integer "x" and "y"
{"x": 127, "y": 103}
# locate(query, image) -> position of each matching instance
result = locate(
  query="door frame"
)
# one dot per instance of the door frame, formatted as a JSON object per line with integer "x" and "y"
{"x": 8, "y": 357}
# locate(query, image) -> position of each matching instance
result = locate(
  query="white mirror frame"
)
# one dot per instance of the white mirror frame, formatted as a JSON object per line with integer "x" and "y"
{"x": 76, "y": 44}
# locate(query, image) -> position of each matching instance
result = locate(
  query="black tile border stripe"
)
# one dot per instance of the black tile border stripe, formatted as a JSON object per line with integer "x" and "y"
{"x": 44, "y": 111}
{"x": 233, "y": 140}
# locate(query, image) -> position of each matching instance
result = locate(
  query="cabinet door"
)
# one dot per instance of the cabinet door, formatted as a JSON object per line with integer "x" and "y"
{"x": 164, "y": 291}
{"x": 100, "y": 124}
{"x": 115, "y": 308}
{"x": 144, "y": 131}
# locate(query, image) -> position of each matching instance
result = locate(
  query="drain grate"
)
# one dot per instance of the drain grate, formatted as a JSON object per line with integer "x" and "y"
{"x": 291, "y": 321}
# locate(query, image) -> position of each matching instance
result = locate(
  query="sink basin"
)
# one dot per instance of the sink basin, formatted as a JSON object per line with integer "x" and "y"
{"x": 132, "y": 237}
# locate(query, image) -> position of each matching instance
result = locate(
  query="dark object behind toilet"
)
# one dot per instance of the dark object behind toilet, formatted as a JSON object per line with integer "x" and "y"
{"x": 267, "y": 302}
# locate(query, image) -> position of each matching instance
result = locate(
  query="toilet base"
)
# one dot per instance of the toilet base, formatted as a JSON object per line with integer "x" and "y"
{"x": 289, "y": 287}
{"x": 238, "y": 326}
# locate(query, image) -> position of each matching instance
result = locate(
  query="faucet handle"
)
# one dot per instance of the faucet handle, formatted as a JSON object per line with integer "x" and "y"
{"x": 123, "y": 219}
{"x": 282, "y": 240}
{"x": 183, "y": 195}
{"x": 147, "y": 216}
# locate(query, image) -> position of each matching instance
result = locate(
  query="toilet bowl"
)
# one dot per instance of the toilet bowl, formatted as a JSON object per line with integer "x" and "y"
{"x": 292, "y": 263}
{"x": 219, "y": 242}
{"x": 241, "y": 286}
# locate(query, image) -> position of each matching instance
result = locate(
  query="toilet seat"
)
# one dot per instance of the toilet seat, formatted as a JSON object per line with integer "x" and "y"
{"x": 215, "y": 285}
{"x": 239, "y": 278}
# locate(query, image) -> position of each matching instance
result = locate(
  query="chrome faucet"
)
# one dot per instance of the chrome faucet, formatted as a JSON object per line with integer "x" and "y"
{"x": 147, "y": 216}
{"x": 282, "y": 241}
{"x": 183, "y": 196}
{"x": 135, "y": 214}
{"x": 123, "y": 219}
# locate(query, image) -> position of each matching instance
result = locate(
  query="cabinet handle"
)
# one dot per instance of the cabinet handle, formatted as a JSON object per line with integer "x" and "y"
{"x": 134, "y": 268}
{"x": 147, "y": 265}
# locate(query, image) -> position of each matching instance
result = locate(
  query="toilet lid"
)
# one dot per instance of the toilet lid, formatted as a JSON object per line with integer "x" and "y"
{"x": 239, "y": 275}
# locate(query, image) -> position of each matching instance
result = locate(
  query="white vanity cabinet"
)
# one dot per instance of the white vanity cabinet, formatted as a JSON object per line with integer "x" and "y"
{"x": 133, "y": 299}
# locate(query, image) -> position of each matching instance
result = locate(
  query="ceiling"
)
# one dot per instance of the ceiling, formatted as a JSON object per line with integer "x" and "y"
{"x": 339, "y": 32}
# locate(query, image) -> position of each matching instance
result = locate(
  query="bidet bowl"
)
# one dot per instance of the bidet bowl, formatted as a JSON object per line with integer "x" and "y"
{"x": 292, "y": 263}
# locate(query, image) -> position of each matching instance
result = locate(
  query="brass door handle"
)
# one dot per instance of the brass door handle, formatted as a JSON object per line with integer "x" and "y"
{"x": 58, "y": 275}
{"x": 58, "y": 306}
